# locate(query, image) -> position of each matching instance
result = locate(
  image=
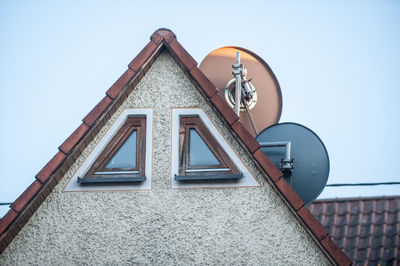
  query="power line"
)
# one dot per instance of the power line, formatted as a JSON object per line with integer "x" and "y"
{"x": 362, "y": 184}
{"x": 5, "y": 203}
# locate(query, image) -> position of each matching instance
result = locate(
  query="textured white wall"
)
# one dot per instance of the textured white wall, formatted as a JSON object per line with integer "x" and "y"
{"x": 164, "y": 226}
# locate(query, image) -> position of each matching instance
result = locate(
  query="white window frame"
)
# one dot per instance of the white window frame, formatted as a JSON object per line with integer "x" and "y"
{"x": 73, "y": 185}
{"x": 248, "y": 180}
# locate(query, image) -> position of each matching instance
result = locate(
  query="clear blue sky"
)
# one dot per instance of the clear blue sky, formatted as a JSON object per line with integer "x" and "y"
{"x": 338, "y": 64}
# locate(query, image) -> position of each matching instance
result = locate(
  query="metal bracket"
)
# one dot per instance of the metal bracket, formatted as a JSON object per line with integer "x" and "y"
{"x": 242, "y": 85}
{"x": 286, "y": 165}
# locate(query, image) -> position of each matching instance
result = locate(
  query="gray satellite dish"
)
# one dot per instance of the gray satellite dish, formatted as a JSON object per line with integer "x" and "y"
{"x": 301, "y": 156}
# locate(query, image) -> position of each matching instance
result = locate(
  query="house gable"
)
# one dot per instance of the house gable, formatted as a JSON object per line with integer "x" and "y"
{"x": 278, "y": 231}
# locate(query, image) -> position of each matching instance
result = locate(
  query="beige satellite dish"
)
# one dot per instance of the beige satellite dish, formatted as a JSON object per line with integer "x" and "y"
{"x": 264, "y": 107}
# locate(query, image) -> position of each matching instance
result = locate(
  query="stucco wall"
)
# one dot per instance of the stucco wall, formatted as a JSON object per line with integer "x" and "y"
{"x": 164, "y": 225}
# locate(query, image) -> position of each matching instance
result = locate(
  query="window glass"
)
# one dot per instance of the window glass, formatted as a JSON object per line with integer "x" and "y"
{"x": 200, "y": 154}
{"x": 125, "y": 157}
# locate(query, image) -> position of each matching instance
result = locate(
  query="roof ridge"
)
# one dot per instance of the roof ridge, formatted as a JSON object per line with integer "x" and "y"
{"x": 73, "y": 146}
{"x": 356, "y": 199}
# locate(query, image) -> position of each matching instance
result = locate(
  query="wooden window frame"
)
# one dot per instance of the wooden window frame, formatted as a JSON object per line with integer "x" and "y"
{"x": 97, "y": 173}
{"x": 225, "y": 170}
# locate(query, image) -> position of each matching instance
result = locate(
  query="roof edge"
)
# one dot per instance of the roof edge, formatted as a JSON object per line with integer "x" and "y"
{"x": 357, "y": 198}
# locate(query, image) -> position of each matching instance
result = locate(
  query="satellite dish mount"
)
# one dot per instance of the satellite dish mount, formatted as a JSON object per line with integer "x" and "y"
{"x": 245, "y": 92}
{"x": 286, "y": 165}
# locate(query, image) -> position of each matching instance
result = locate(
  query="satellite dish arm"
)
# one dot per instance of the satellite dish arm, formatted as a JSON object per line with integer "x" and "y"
{"x": 287, "y": 162}
{"x": 238, "y": 83}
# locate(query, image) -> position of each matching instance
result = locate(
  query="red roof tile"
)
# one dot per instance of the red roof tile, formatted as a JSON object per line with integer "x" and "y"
{"x": 72, "y": 140}
{"x": 117, "y": 87}
{"x": 352, "y": 231}
{"x": 319, "y": 231}
{"x": 162, "y": 34}
{"x": 7, "y": 220}
{"x": 143, "y": 56}
{"x": 96, "y": 112}
{"x": 291, "y": 196}
{"x": 251, "y": 143}
{"x": 203, "y": 82}
{"x": 366, "y": 229}
{"x": 26, "y": 196}
{"x": 50, "y": 167}
{"x": 267, "y": 165}
{"x": 114, "y": 96}
{"x": 181, "y": 54}
{"x": 339, "y": 256}
{"x": 224, "y": 109}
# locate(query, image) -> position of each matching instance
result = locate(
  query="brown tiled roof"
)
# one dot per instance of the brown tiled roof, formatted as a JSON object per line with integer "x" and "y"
{"x": 23, "y": 208}
{"x": 366, "y": 229}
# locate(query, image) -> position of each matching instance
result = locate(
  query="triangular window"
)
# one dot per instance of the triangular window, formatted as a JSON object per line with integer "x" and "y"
{"x": 199, "y": 152}
{"x": 200, "y": 155}
{"x": 123, "y": 158}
